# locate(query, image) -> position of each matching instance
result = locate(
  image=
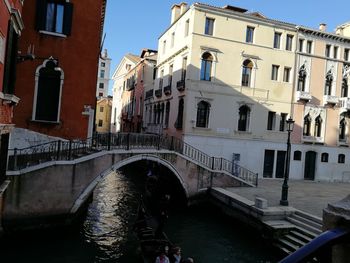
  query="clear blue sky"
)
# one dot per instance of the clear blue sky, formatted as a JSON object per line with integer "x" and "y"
{"x": 135, "y": 24}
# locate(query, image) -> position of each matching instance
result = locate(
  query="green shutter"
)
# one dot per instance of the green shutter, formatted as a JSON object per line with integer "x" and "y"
{"x": 68, "y": 16}
{"x": 41, "y": 8}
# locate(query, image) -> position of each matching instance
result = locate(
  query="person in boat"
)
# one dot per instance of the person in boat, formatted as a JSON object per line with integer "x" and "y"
{"x": 175, "y": 256}
{"x": 162, "y": 258}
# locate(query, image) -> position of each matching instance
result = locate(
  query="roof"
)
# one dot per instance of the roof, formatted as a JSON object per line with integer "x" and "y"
{"x": 134, "y": 58}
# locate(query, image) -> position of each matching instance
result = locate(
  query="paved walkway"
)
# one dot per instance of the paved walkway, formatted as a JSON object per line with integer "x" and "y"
{"x": 308, "y": 196}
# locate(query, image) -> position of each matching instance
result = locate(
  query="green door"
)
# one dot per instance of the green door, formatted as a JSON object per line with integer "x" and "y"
{"x": 310, "y": 165}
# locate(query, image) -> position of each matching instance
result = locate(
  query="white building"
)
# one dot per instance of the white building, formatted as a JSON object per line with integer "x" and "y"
{"x": 104, "y": 66}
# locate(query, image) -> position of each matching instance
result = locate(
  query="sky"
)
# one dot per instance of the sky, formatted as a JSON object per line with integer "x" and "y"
{"x": 135, "y": 24}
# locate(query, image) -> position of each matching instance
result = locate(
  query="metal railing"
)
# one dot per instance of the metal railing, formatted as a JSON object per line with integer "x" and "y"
{"x": 70, "y": 150}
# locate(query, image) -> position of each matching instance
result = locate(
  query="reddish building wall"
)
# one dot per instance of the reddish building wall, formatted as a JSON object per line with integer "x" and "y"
{"x": 77, "y": 55}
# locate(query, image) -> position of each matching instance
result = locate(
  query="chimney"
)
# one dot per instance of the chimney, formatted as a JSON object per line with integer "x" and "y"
{"x": 183, "y": 8}
{"x": 175, "y": 12}
{"x": 323, "y": 27}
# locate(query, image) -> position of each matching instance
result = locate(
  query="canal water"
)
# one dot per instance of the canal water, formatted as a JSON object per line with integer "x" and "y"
{"x": 105, "y": 233}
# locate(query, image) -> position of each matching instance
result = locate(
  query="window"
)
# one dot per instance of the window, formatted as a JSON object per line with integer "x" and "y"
{"x": 335, "y": 52}
{"x": 289, "y": 42}
{"x": 207, "y": 60}
{"x": 209, "y": 26}
{"x": 283, "y": 121}
{"x": 203, "y": 110}
{"x": 269, "y": 158}
{"x": 54, "y": 16}
{"x": 346, "y": 54}
{"x": 249, "y": 35}
{"x": 161, "y": 79}
{"x": 301, "y": 45}
{"x": 102, "y": 73}
{"x": 341, "y": 158}
{"x": 286, "y": 74}
{"x": 328, "y": 51}
{"x": 244, "y": 117}
{"x": 100, "y": 123}
{"x": 274, "y": 73}
{"x": 301, "y": 78}
{"x": 318, "y": 126}
{"x": 164, "y": 46}
{"x": 180, "y": 112}
{"x": 172, "y": 39}
{"x": 342, "y": 129}
{"x": 307, "y": 125}
{"x": 101, "y": 85}
{"x": 271, "y": 118}
{"x": 309, "y": 46}
{"x": 344, "y": 87}
{"x": 10, "y": 60}
{"x": 101, "y": 109}
{"x": 184, "y": 68}
{"x": 167, "y": 113}
{"x": 49, "y": 81}
{"x": 297, "y": 156}
{"x": 100, "y": 94}
{"x": 324, "y": 157}
{"x": 328, "y": 84}
{"x": 103, "y": 64}
{"x": 170, "y": 78}
{"x": 277, "y": 40}
{"x": 154, "y": 72}
{"x": 247, "y": 73}
{"x": 187, "y": 26}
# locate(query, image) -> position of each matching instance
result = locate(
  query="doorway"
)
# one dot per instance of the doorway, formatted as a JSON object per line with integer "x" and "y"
{"x": 310, "y": 165}
{"x": 281, "y": 164}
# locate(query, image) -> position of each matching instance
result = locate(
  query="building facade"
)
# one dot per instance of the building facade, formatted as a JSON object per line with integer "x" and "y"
{"x": 103, "y": 114}
{"x": 58, "y": 87}
{"x": 11, "y": 26}
{"x": 103, "y": 78}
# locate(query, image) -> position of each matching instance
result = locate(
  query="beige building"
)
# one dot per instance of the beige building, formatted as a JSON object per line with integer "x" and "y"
{"x": 103, "y": 114}
{"x": 225, "y": 83}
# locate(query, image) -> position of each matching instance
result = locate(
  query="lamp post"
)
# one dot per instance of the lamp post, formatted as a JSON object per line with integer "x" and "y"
{"x": 284, "y": 198}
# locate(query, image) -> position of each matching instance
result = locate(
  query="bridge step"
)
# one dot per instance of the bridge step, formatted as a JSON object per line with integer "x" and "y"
{"x": 305, "y": 226}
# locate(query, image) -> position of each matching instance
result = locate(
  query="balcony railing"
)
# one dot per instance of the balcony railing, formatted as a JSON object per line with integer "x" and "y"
{"x": 344, "y": 103}
{"x": 180, "y": 85}
{"x": 329, "y": 99}
{"x": 303, "y": 95}
{"x": 158, "y": 93}
{"x": 167, "y": 90}
{"x": 313, "y": 139}
{"x": 149, "y": 94}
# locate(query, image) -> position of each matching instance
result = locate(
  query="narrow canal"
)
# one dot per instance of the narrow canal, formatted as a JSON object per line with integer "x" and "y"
{"x": 105, "y": 233}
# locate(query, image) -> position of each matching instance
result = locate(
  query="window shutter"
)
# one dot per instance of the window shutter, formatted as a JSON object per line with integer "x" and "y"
{"x": 41, "y": 7}
{"x": 68, "y": 16}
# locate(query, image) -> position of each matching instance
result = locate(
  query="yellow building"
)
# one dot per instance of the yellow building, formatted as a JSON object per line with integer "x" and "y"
{"x": 103, "y": 114}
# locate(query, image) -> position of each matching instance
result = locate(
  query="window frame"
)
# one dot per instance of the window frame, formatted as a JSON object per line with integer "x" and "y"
{"x": 341, "y": 158}
{"x": 206, "y": 69}
{"x": 271, "y": 121}
{"x": 277, "y": 39}
{"x": 309, "y": 44}
{"x": 324, "y": 157}
{"x": 328, "y": 51}
{"x": 203, "y": 114}
{"x": 286, "y": 74}
{"x": 250, "y": 34}
{"x": 289, "y": 42}
{"x": 209, "y": 26}
{"x": 274, "y": 72}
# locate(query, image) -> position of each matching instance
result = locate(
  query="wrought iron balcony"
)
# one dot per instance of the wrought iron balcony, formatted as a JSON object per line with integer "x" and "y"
{"x": 180, "y": 85}
{"x": 158, "y": 93}
{"x": 303, "y": 95}
{"x": 149, "y": 94}
{"x": 329, "y": 99}
{"x": 344, "y": 103}
{"x": 167, "y": 90}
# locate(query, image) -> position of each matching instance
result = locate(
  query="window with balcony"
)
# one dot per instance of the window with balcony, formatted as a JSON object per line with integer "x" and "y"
{"x": 301, "y": 78}
{"x": 203, "y": 110}
{"x": 184, "y": 68}
{"x": 277, "y": 40}
{"x": 209, "y": 26}
{"x": 342, "y": 129}
{"x": 324, "y": 157}
{"x": 244, "y": 118}
{"x": 318, "y": 126}
{"x": 328, "y": 84}
{"x": 344, "y": 87}
{"x": 328, "y": 51}
{"x": 247, "y": 73}
{"x": 249, "y": 35}
{"x": 207, "y": 61}
{"x": 309, "y": 47}
{"x": 341, "y": 158}
{"x": 170, "y": 79}
{"x": 274, "y": 72}
{"x": 289, "y": 42}
{"x": 271, "y": 119}
{"x": 54, "y": 16}
{"x": 307, "y": 125}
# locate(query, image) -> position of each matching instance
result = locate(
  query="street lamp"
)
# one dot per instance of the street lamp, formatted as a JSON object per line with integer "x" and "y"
{"x": 284, "y": 198}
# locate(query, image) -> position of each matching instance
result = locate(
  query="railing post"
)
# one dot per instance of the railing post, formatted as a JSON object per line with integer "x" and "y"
{"x": 70, "y": 150}
{"x": 58, "y": 150}
{"x": 15, "y": 159}
{"x": 109, "y": 142}
{"x": 128, "y": 142}
{"x": 212, "y": 162}
{"x": 172, "y": 143}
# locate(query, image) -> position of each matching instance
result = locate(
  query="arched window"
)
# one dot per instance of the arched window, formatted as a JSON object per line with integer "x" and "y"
{"x": 297, "y": 156}
{"x": 318, "y": 126}
{"x": 207, "y": 61}
{"x": 344, "y": 87}
{"x": 342, "y": 129}
{"x": 203, "y": 109}
{"x": 243, "y": 119}
{"x": 47, "y": 100}
{"x": 301, "y": 78}
{"x": 167, "y": 112}
{"x": 307, "y": 125}
{"x": 247, "y": 73}
{"x": 180, "y": 112}
{"x": 328, "y": 85}
{"x": 341, "y": 158}
{"x": 324, "y": 157}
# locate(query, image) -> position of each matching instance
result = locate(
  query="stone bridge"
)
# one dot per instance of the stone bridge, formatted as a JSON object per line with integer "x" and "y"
{"x": 54, "y": 180}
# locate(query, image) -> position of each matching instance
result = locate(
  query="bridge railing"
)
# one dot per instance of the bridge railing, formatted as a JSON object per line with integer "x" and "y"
{"x": 69, "y": 150}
